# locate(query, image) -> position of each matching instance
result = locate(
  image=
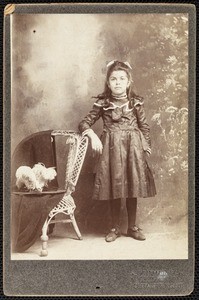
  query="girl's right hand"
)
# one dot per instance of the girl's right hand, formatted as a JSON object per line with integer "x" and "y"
{"x": 96, "y": 144}
{"x": 148, "y": 151}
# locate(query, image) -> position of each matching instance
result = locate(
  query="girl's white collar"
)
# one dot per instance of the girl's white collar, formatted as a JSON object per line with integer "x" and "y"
{"x": 113, "y": 106}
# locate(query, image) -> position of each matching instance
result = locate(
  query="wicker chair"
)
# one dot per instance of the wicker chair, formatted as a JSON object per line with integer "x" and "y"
{"x": 44, "y": 206}
{"x": 77, "y": 150}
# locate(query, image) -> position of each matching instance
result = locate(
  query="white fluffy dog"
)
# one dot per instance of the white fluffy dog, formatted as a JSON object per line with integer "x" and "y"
{"x": 25, "y": 177}
{"x": 36, "y": 178}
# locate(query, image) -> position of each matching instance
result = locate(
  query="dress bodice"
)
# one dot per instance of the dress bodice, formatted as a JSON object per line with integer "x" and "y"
{"x": 129, "y": 115}
{"x": 119, "y": 117}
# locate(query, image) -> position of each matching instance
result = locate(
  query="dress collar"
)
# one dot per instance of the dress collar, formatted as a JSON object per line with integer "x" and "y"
{"x": 119, "y": 97}
{"x": 113, "y": 106}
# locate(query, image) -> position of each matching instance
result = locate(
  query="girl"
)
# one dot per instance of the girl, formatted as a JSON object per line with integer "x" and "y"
{"x": 122, "y": 170}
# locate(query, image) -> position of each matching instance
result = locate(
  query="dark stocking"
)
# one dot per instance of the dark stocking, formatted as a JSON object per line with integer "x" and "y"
{"x": 131, "y": 205}
{"x": 115, "y": 212}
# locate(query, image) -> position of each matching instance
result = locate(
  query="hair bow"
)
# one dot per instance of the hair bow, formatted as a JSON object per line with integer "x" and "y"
{"x": 110, "y": 63}
{"x": 125, "y": 62}
{"x": 128, "y": 64}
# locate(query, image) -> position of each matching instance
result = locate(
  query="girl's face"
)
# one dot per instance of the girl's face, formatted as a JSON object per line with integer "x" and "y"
{"x": 118, "y": 82}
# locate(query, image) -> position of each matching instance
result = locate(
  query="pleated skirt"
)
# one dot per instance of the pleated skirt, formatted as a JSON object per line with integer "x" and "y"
{"x": 123, "y": 170}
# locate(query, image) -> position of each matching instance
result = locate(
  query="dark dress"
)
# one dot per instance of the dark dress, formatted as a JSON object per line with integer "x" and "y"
{"x": 122, "y": 169}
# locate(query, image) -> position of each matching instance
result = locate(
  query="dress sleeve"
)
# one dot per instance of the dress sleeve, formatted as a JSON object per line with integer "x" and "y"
{"x": 94, "y": 114}
{"x": 142, "y": 122}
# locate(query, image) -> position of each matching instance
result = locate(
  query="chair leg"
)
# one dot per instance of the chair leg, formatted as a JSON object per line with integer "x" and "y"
{"x": 44, "y": 239}
{"x": 72, "y": 217}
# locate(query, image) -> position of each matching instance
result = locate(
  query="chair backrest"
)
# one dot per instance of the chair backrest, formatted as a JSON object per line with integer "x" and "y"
{"x": 37, "y": 147}
{"x": 77, "y": 150}
{"x": 41, "y": 147}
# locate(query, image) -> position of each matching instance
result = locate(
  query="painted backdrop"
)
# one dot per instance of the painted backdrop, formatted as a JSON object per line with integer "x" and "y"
{"x": 59, "y": 63}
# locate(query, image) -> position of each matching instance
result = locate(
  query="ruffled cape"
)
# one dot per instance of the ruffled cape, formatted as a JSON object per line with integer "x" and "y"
{"x": 108, "y": 103}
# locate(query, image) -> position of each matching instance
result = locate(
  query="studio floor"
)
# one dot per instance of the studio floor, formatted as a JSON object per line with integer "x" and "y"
{"x": 64, "y": 245}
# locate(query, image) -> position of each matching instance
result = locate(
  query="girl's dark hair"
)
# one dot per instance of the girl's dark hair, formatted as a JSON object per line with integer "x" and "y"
{"x": 117, "y": 66}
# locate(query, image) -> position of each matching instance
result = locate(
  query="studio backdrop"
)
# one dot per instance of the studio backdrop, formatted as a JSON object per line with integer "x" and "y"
{"x": 59, "y": 64}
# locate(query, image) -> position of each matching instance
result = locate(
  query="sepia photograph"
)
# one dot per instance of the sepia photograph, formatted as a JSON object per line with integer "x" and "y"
{"x": 99, "y": 159}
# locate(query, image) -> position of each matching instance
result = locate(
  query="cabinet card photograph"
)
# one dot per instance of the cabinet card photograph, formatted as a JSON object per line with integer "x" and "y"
{"x": 98, "y": 106}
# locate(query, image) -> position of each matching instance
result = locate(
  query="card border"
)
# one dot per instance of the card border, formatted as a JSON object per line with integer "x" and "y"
{"x": 99, "y": 273}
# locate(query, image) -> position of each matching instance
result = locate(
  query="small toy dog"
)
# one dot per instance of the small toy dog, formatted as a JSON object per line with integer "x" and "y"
{"x": 35, "y": 178}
